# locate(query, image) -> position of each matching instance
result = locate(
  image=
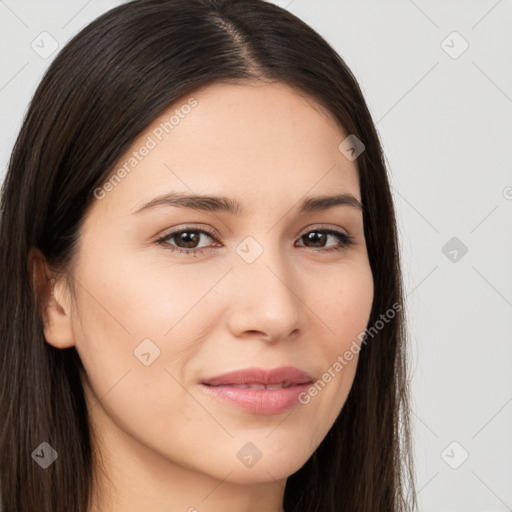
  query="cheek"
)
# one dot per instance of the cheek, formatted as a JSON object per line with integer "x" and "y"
{"x": 343, "y": 303}
{"x": 115, "y": 315}
{"x": 131, "y": 299}
{"x": 122, "y": 306}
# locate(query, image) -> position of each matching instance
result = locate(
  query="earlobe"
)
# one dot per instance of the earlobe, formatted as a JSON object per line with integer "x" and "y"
{"x": 53, "y": 298}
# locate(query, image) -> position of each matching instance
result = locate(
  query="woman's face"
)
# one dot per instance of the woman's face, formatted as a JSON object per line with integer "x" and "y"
{"x": 157, "y": 315}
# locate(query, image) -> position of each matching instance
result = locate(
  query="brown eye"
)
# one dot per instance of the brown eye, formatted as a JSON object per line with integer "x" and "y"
{"x": 185, "y": 240}
{"x": 319, "y": 237}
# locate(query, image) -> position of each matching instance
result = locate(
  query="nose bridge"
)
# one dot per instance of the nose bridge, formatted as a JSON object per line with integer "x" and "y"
{"x": 266, "y": 299}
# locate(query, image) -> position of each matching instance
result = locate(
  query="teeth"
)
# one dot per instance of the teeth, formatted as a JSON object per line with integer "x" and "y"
{"x": 256, "y": 386}
{"x": 274, "y": 386}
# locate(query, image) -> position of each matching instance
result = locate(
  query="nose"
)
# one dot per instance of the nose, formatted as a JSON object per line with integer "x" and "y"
{"x": 265, "y": 303}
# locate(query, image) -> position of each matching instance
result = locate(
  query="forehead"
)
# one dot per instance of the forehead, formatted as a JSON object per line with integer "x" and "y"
{"x": 264, "y": 140}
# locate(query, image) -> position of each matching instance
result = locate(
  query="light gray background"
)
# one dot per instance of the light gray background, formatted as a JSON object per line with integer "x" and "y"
{"x": 446, "y": 130}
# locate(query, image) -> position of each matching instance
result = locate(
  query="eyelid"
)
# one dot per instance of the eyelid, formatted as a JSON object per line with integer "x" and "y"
{"x": 178, "y": 229}
{"x": 320, "y": 226}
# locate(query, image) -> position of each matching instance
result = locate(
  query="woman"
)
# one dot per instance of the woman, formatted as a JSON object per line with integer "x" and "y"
{"x": 201, "y": 293}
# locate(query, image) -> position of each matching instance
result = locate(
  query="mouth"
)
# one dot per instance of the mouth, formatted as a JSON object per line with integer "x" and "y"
{"x": 259, "y": 391}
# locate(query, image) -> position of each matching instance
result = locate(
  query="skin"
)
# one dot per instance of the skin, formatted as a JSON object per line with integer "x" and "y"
{"x": 165, "y": 444}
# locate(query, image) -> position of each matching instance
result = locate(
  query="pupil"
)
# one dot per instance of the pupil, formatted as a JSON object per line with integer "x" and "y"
{"x": 316, "y": 237}
{"x": 188, "y": 239}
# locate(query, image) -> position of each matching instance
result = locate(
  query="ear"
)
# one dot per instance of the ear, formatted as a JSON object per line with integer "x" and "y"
{"x": 54, "y": 300}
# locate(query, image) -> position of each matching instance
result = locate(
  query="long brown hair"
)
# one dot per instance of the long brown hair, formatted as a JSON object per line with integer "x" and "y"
{"x": 104, "y": 88}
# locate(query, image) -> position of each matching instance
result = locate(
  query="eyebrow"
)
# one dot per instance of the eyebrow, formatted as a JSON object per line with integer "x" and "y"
{"x": 209, "y": 203}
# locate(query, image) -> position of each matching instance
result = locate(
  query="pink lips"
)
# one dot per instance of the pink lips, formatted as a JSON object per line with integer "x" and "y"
{"x": 258, "y": 390}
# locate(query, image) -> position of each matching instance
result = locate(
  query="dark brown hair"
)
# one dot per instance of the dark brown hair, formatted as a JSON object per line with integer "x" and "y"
{"x": 104, "y": 88}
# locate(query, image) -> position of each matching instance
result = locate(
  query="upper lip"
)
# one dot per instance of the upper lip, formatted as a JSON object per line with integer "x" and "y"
{"x": 285, "y": 374}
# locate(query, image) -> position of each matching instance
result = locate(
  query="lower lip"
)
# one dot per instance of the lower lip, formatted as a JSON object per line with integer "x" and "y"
{"x": 259, "y": 401}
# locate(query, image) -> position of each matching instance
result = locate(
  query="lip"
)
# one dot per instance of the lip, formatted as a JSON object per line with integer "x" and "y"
{"x": 288, "y": 374}
{"x": 260, "y": 401}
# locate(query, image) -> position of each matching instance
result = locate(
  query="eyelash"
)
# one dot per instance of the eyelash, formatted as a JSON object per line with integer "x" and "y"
{"x": 346, "y": 240}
